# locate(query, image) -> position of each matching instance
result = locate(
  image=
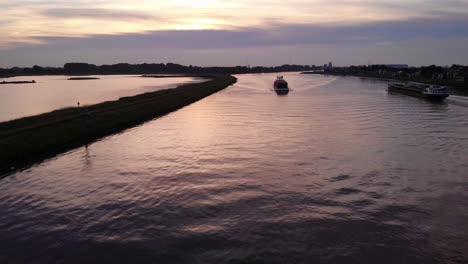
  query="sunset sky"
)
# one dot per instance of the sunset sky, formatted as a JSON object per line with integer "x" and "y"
{"x": 214, "y": 32}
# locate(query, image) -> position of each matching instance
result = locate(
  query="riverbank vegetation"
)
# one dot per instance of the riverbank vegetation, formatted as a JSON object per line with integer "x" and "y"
{"x": 455, "y": 76}
{"x": 82, "y": 78}
{"x": 33, "y": 138}
{"x": 145, "y": 68}
{"x": 17, "y": 82}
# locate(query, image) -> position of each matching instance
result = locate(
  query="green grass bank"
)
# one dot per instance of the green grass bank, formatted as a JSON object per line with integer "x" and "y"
{"x": 31, "y": 139}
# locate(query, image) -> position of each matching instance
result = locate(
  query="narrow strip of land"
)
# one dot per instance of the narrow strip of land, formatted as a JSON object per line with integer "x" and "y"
{"x": 82, "y": 78}
{"x": 161, "y": 76}
{"x": 17, "y": 82}
{"x": 31, "y": 139}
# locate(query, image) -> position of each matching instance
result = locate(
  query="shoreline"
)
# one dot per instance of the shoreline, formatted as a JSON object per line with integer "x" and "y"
{"x": 82, "y": 78}
{"x": 162, "y": 76}
{"x": 459, "y": 87}
{"x": 17, "y": 82}
{"x": 32, "y": 139}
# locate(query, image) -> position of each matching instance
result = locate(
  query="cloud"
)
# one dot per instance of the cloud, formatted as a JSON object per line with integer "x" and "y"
{"x": 32, "y": 18}
{"x": 95, "y": 13}
{"x": 118, "y": 28}
{"x": 443, "y": 27}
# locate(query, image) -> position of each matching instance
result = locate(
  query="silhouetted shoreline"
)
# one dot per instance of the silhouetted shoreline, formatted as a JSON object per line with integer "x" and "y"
{"x": 35, "y": 138}
{"x": 457, "y": 87}
{"x": 17, "y": 82}
{"x": 81, "y": 68}
{"x": 82, "y": 78}
{"x": 162, "y": 76}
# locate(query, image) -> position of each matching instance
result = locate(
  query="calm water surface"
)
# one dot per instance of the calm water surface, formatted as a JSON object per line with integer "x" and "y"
{"x": 338, "y": 171}
{"x": 55, "y": 92}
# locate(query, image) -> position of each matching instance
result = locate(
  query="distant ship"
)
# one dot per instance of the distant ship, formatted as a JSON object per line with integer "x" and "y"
{"x": 430, "y": 92}
{"x": 281, "y": 85}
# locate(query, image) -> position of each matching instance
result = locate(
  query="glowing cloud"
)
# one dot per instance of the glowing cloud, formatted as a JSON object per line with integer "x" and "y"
{"x": 23, "y": 20}
{"x": 38, "y": 23}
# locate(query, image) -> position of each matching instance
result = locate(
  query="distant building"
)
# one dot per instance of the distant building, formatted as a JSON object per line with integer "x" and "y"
{"x": 330, "y": 65}
{"x": 458, "y": 73}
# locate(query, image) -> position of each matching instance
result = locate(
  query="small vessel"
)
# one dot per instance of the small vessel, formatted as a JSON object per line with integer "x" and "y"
{"x": 281, "y": 85}
{"x": 426, "y": 91}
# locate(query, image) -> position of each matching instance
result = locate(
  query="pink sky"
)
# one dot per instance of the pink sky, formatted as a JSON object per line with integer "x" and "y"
{"x": 265, "y": 32}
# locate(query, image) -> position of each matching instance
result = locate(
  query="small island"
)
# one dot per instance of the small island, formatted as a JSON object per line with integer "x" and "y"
{"x": 175, "y": 76}
{"x": 164, "y": 75}
{"x": 17, "y": 82}
{"x": 82, "y": 78}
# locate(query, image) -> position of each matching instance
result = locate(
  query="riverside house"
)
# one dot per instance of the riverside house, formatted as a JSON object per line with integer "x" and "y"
{"x": 458, "y": 73}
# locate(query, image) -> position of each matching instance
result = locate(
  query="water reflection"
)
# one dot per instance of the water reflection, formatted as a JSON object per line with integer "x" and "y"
{"x": 337, "y": 172}
{"x": 87, "y": 158}
{"x": 55, "y": 92}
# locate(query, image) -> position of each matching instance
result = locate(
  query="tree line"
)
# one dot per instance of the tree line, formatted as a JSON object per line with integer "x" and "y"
{"x": 427, "y": 72}
{"x": 75, "y": 68}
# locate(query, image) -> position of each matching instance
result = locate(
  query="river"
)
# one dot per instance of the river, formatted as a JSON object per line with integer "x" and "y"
{"x": 337, "y": 171}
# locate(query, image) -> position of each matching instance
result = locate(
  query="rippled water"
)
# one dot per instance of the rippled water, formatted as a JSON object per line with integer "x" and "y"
{"x": 55, "y": 92}
{"x": 338, "y": 171}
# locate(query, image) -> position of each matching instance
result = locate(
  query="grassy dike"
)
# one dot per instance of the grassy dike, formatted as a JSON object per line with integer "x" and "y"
{"x": 31, "y": 139}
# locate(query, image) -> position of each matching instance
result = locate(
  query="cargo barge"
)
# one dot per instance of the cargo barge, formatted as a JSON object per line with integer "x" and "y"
{"x": 429, "y": 92}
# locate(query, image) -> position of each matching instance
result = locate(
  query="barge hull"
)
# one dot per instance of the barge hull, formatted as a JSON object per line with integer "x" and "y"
{"x": 414, "y": 93}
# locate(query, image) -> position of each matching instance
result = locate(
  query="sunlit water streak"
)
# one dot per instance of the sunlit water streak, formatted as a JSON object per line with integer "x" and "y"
{"x": 337, "y": 171}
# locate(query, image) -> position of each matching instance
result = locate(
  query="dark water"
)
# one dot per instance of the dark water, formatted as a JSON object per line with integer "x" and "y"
{"x": 338, "y": 171}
